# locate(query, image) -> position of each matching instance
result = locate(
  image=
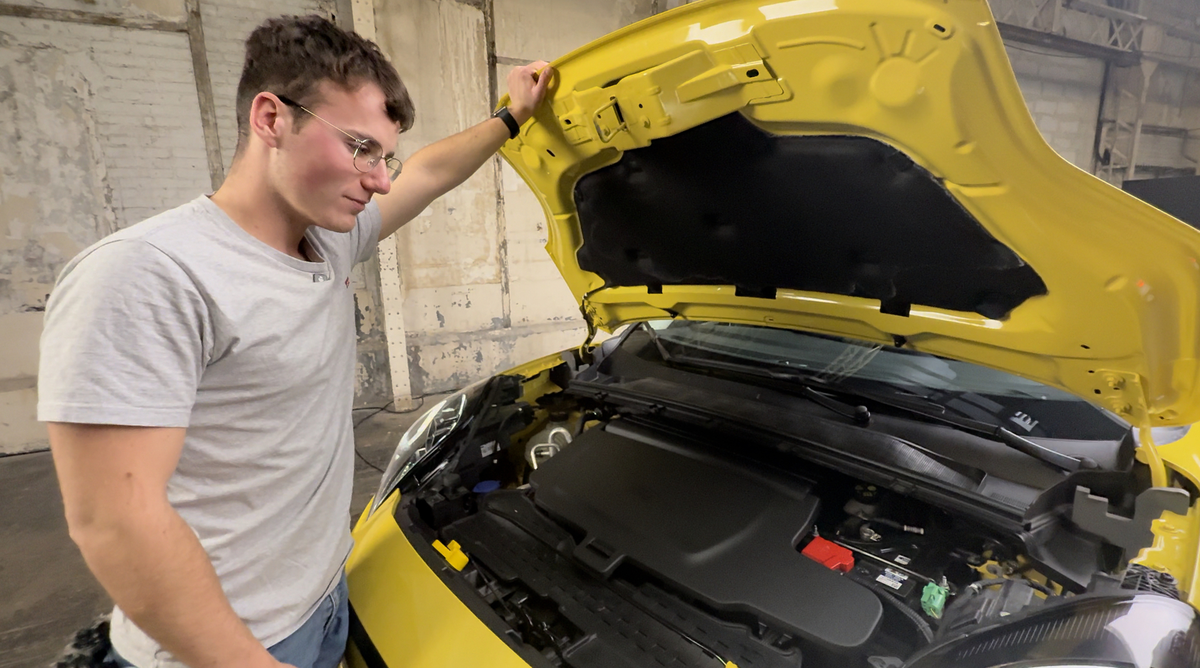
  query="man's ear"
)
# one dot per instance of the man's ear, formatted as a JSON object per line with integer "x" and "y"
{"x": 270, "y": 120}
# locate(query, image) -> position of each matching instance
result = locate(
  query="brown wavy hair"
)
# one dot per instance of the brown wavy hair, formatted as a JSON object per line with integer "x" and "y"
{"x": 291, "y": 55}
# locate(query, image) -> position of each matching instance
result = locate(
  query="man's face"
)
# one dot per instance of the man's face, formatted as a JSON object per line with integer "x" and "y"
{"x": 316, "y": 176}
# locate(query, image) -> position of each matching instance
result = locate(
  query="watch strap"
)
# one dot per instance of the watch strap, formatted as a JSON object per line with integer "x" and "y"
{"x": 505, "y": 115}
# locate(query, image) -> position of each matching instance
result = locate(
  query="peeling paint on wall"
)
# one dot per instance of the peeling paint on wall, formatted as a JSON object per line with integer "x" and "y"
{"x": 47, "y": 93}
{"x": 372, "y": 377}
{"x": 373, "y": 384}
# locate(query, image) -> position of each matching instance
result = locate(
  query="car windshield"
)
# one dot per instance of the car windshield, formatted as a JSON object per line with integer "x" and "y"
{"x": 1023, "y": 406}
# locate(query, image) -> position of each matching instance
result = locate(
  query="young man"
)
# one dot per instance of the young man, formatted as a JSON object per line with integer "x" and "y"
{"x": 197, "y": 368}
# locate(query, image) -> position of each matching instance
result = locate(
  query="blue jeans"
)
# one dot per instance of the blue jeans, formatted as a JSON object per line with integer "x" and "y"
{"x": 319, "y": 643}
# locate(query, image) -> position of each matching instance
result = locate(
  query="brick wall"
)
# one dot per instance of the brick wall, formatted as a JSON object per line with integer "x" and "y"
{"x": 1062, "y": 92}
{"x": 145, "y": 122}
{"x": 102, "y": 130}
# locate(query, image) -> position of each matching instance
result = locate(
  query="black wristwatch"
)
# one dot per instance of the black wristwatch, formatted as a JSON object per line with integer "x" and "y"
{"x": 505, "y": 115}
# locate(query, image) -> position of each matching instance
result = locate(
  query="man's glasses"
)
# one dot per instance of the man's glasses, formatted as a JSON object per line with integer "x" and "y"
{"x": 367, "y": 152}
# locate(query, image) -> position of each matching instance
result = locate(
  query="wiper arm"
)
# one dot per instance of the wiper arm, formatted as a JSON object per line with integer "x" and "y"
{"x": 859, "y": 414}
{"x": 862, "y": 415}
{"x": 933, "y": 411}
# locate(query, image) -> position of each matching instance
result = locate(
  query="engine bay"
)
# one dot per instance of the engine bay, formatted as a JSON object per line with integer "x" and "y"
{"x": 598, "y": 536}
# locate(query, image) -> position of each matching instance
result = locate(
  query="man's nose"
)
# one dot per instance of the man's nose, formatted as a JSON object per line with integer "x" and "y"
{"x": 378, "y": 180}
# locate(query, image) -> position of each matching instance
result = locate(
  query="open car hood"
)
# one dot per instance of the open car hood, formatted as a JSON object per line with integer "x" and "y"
{"x": 864, "y": 168}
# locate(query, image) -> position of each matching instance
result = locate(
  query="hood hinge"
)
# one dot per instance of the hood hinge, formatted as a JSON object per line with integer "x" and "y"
{"x": 589, "y": 318}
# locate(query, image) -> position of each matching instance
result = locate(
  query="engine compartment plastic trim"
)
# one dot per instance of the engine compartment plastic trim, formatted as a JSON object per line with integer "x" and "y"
{"x": 721, "y": 531}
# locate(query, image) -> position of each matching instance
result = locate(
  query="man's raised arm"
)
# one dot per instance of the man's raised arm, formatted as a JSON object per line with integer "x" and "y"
{"x": 438, "y": 168}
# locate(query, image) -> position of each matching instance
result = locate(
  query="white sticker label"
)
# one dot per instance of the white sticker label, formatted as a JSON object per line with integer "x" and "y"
{"x": 891, "y": 578}
{"x": 888, "y": 582}
{"x": 903, "y": 560}
{"x": 487, "y": 449}
{"x": 1024, "y": 421}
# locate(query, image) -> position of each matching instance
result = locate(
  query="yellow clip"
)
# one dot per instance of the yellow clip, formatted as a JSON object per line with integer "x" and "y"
{"x": 453, "y": 554}
{"x": 730, "y": 664}
{"x": 1148, "y": 453}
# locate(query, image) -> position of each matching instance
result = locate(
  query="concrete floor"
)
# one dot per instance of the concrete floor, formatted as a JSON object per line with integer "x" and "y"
{"x": 46, "y": 590}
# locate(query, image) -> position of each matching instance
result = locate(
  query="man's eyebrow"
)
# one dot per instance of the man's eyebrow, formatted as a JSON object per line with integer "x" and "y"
{"x": 362, "y": 136}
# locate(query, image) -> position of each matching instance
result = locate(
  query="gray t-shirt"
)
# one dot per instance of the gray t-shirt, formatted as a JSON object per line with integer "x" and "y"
{"x": 185, "y": 320}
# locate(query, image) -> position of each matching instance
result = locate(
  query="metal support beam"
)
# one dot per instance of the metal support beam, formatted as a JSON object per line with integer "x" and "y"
{"x": 1111, "y": 13}
{"x": 1148, "y": 68}
{"x": 204, "y": 93}
{"x": 359, "y": 16}
{"x": 1014, "y": 33}
{"x": 493, "y": 65}
{"x": 1098, "y": 138}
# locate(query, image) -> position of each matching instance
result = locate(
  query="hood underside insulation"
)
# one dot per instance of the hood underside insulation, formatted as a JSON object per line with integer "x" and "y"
{"x": 727, "y": 203}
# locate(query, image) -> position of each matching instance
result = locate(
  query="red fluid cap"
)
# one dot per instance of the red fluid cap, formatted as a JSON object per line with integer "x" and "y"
{"x": 829, "y": 554}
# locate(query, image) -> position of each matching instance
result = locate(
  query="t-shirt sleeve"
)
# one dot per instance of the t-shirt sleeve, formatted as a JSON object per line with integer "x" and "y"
{"x": 367, "y": 232}
{"x": 124, "y": 340}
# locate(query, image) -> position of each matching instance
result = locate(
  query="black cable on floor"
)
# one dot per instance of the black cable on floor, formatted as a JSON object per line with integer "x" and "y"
{"x": 376, "y": 411}
{"x": 365, "y": 461}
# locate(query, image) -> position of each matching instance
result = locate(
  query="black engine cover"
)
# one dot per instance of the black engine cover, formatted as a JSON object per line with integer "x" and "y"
{"x": 721, "y": 532}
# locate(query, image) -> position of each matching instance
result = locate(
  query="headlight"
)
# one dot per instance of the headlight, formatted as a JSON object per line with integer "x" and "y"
{"x": 1132, "y": 631}
{"x": 423, "y": 437}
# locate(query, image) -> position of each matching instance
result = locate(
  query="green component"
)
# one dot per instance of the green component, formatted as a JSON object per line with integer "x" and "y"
{"x": 933, "y": 599}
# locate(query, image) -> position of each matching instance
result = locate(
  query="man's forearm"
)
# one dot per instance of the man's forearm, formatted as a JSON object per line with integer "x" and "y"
{"x": 158, "y": 574}
{"x": 454, "y": 159}
{"x": 436, "y": 169}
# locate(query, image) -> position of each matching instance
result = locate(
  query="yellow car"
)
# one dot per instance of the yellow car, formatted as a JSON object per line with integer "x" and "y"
{"x": 892, "y": 383}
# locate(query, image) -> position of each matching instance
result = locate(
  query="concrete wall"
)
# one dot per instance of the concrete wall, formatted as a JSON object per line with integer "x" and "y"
{"x": 103, "y": 128}
{"x": 477, "y": 291}
{"x": 100, "y": 142}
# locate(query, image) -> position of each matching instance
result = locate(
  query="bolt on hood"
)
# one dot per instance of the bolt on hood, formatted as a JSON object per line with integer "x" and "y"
{"x": 864, "y": 168}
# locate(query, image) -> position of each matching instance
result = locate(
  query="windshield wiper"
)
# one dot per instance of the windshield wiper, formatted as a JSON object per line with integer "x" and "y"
{"x": 918, "y": 406}
{"x": 859, "y": 414}
{"x": 936, "y": 412}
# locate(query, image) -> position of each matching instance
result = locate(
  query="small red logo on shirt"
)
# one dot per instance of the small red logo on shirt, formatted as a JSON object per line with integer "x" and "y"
{"x": 347, "y": 281}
